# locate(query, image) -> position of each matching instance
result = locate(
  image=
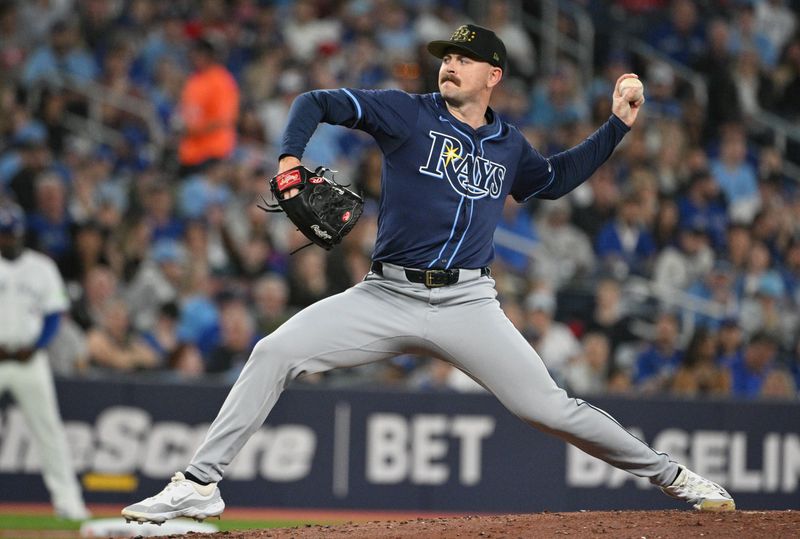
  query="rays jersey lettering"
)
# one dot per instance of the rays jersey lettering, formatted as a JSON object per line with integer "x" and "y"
{"x": 469, "y": 175}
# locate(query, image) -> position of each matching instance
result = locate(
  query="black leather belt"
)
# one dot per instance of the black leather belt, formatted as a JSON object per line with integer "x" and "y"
{"x": 432, "y": 278}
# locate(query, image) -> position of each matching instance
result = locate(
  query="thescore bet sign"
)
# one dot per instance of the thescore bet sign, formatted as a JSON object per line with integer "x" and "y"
{"x": 425, "y": 451}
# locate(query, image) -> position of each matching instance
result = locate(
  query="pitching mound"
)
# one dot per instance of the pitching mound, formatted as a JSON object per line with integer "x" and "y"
{"x": 612, "y": 524}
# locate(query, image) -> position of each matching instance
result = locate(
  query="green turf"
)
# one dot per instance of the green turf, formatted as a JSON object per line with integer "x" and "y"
{"x": 35, "y": 522}
{"x": 47, "y": 522}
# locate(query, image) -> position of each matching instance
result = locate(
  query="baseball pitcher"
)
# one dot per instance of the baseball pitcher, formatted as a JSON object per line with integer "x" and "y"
{"x": 449, "y": 163}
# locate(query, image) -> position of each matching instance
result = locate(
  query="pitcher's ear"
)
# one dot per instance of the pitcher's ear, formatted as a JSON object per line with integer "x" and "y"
{"x": 495, "y": 76}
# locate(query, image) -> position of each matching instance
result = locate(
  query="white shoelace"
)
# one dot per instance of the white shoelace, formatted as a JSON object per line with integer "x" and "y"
{"x": 173, "y": 482}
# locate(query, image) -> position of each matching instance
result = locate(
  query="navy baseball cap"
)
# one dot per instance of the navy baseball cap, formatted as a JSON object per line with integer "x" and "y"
{"x": 476, "y": 42}
{"x": 12, "y": 220}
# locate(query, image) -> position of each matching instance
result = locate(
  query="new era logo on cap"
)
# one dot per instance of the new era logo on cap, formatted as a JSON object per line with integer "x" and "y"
{"x": 475, "y": 41}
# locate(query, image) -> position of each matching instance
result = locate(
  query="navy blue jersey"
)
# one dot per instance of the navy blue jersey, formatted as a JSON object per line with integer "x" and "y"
{"x": 444, "y": 183}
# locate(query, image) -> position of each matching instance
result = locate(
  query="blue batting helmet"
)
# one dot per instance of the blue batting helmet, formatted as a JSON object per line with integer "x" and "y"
{"x": 12, "y": 219}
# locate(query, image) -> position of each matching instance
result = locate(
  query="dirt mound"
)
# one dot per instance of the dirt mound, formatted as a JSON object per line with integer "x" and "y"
{"x": 610, "y": 524}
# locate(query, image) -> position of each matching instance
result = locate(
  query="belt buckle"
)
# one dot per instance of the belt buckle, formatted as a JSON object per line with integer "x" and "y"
{"x": 435, "y": 278}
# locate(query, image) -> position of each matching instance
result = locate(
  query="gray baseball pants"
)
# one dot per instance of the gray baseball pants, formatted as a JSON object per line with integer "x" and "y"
{"x": 383, "y": 316}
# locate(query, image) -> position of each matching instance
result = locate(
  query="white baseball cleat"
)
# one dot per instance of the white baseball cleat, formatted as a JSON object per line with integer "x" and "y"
{"x": 704, "y": 495}
{"x": 180, "y": 498}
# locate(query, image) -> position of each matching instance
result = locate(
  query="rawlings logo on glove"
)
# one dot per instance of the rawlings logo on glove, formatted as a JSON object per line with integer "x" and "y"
{"x": 321, "y": 233}
{"x": 324, "y": 211}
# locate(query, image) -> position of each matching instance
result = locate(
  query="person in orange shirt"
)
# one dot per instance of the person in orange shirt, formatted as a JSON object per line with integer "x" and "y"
{"x": 209, "y": 108}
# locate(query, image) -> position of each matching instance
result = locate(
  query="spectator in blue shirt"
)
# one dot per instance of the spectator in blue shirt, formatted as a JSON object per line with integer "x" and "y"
{"x": 657, "y": 364}
{"x": 624, "y": 244}
{"x": 394, "y": 32}
{"x": 745, "y": 34}
{"x": 750, "y": 369}
{"x": 236, "y": 337}
{"x": 717, "y": 286}
{"x": 729, "y": 341}
{"x": 557, "y": 102}
{"x": 699, "y": 207}
{"x": 166, "y": 42}
{"x": 63, "y": 58}
{"x": 682, "y": 37}
{"x": 160, "y": 210}
{"x": 27, "y": 159}
{"x": 736, "y": 177}
{"x": 50, "y": 226}
{"x": 199, "y": 193}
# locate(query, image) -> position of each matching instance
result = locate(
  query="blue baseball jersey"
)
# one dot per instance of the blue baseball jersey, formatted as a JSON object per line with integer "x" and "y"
{"x": 444, "y": 183}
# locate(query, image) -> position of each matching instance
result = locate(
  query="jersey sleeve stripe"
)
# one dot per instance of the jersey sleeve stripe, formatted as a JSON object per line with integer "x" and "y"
{"x": 357, "y": 105}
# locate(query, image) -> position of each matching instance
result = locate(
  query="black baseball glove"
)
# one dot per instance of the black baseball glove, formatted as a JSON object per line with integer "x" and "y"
{"x": 324, "y": 211}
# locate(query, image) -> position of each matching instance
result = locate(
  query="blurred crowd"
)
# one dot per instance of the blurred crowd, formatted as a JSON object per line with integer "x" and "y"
{"x": 138, "y": 136}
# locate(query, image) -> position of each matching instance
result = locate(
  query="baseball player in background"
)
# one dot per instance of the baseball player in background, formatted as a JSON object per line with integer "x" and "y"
{"x": 32, "y": 298}
{"x": 448, "y": 165}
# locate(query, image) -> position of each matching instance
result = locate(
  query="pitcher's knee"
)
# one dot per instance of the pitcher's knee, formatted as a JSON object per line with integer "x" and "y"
{"x": 282, "y": 355}
{"x": 275, "y": 352}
